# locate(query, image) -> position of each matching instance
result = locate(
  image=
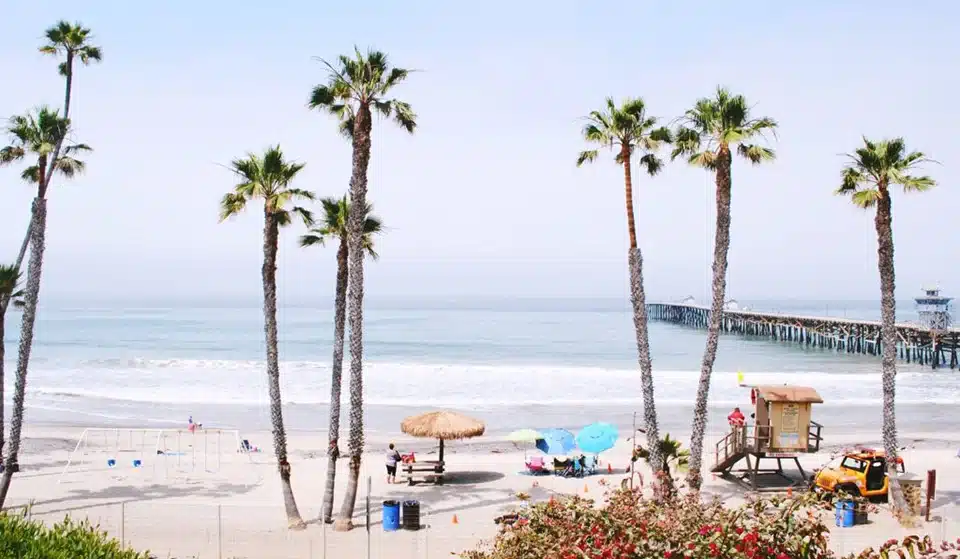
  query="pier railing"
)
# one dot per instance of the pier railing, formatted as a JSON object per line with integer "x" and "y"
{"x": 915, "y": 343}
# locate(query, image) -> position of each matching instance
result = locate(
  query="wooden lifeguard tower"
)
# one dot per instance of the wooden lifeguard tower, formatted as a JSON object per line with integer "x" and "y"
{"x": 780, "y": 429}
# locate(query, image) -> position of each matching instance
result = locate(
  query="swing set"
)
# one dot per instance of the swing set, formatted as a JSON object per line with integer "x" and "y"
{"x": 133, "y": 450}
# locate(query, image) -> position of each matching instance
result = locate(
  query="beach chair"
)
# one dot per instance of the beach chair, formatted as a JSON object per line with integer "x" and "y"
{"x": 536, "y": 465}
{"x": 590, "y": 465}
{"x": 562, "y": 467}
{"x": 576, "y": 469}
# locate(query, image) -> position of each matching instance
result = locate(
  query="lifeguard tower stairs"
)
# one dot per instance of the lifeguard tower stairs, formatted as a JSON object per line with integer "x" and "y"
{"x": 781, "y": 431}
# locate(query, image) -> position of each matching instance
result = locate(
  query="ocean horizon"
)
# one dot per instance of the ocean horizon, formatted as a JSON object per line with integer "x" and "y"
{"x": 513, "y": 362}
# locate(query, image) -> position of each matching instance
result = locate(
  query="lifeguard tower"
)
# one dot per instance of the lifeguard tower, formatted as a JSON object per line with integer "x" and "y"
{"x": 779, "y": 429}
{"x": 933, "y": 309}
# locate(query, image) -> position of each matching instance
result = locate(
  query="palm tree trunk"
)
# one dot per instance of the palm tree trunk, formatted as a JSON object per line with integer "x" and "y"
{"x": 69, "y": 88}
{"x": 721, "y": 247}
{"x": 336, "y": 379}
{"x": 358, "y": 200}
{"x": 638, "y": 301}
{"x": 31, "y": 299}
{"x": 888, "y": 347}
{"x": 271, "y": 230}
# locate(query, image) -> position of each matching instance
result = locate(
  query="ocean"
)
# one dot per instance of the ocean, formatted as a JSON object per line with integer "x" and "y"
{"x": 513, "y": 363}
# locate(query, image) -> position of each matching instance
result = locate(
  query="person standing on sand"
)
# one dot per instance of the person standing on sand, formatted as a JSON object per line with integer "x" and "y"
{"x": 393, "y": 456}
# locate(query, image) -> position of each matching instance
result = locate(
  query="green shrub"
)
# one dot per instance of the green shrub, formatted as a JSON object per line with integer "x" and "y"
{"x": 26, "y": 539}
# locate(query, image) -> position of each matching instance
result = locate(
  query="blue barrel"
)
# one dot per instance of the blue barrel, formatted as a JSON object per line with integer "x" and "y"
{"x": 845, "y": 514}
{"x": 391, "y": 516}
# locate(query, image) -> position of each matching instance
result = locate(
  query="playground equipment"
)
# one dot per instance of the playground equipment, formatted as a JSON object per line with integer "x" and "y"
{"x": 781, "y": 430}
{"x": 131, "y": 450}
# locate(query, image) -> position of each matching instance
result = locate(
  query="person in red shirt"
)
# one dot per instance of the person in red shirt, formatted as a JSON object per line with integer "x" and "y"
{"x": 736, "y": 418}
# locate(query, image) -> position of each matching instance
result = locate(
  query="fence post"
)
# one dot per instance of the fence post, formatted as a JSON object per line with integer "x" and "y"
{"x": 324, "y": 539}
{"x": 123, "y": 523}
{"x": 219, "y": 531}
{"x": 369, "y": 488}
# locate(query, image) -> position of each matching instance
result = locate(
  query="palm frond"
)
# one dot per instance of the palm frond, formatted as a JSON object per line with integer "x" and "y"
{"x": 914, "y": 184}
{"x": 232, "y": 204}
{"x": 305, "y": 215}
{"x": 704, "y": 159}
{"x": 313, "y": 239}
{"x": 404, "y": 116}
{"x": 756, "y": 154}
{"x": 587, "y": 156}
{"x": 68, "y": 166}
{"x": 651, "y": 163}
{"x": 686, "y": 142}
{"x": 9, "y": 154}
{"x": 865, "y": 198}
{"x": 851, "y": 180}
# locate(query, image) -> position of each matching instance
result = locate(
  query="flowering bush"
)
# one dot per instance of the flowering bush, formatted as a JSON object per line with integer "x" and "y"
{"x": 628, "y": 527}
{"x": 912, "y": 546}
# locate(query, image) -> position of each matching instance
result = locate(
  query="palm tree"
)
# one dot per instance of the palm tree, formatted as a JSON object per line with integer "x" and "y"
{"x": 867, "y": 179}
{"x": 334, "y": 221}
{"x": 9, "y": 290}
{"x": 268, "y": 178}
{"x": 70, "y": 40}
{"x": 34, "y": 135}
{"x": 628, "y": 130}
{"x": 707, "y": 137}
{"x": 355, "y": 88}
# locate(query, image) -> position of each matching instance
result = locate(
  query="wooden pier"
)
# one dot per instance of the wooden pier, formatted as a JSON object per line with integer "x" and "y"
{"x": 915, "y": 343}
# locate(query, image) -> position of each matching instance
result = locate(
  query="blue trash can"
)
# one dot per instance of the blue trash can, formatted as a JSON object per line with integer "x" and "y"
{"x": 391, "y": 516}
{"x": 844, "y": 518}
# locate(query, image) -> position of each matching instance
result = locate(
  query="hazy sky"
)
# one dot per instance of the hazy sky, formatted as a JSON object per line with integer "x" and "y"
{"x": 485, "y": 198}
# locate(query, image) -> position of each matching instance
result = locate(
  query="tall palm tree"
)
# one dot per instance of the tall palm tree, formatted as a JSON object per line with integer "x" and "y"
{"x": 71, "y": 41}
{"x": 872, "y": 170}
{"x": 355, "y": 88}
{"x": 708, "y": 135}
{"x": 34, "y": 135}
{"x": 267, "y": 177}
{"x": 628, "y": 130}
{"x": 9, "y": 290}
{"x": 333, "y": 225}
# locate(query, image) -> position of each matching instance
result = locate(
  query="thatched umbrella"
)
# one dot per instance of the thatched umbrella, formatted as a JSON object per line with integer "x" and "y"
{"x": 442, "y": 425}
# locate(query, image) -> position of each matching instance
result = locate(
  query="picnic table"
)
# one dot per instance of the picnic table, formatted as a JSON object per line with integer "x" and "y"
{"x": 427, "y": 470}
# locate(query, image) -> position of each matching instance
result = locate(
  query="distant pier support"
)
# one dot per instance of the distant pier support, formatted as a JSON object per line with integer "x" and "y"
{"x": 916, "y": 343}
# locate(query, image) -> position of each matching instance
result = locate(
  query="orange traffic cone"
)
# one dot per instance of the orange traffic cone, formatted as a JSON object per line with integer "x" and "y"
{"x": 789, "y": 492}
{"x": 609, "y": 468}
{"x": 455, "y": 520}
{"x": 586, "y": 488}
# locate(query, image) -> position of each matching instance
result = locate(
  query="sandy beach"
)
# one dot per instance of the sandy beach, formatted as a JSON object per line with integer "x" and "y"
{"x": 233, "y": 508}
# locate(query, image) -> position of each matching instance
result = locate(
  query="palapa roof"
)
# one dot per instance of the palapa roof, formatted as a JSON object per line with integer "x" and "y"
{"x": 785, "y": 393}
{"x": 442, "y": 425}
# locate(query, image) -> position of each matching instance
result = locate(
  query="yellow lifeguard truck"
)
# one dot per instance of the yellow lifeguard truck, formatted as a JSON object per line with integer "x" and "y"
{"x": 780, "y": 428}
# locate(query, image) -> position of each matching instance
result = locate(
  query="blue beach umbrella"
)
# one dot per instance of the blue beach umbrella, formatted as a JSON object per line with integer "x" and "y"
{"x": 597, "y": 437}
{"x": 556, "y": 441}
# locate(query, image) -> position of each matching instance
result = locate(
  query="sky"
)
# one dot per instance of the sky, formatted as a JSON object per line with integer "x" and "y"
{"x": 485, "y": 198}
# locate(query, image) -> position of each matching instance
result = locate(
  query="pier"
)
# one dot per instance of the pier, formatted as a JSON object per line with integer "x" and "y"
{"x": 916, "y": 343}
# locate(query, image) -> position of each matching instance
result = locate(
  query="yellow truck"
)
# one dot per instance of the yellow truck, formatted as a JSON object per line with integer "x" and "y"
{"x": 862, "y": 473}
